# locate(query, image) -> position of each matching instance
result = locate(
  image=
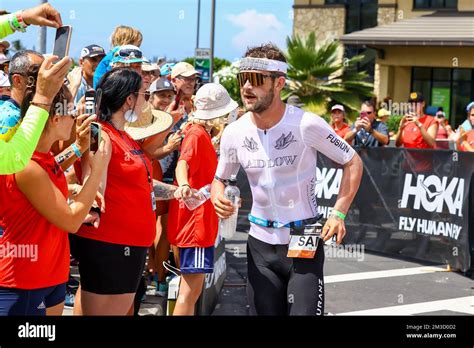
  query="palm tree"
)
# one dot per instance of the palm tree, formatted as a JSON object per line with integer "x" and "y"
{"x": 319, "y": 77}
{"x": 17, "y": 45}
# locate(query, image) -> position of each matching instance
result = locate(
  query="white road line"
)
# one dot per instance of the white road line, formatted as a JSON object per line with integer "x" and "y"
{"x": 399, "y": 272}
{"x": 460, "y": 304}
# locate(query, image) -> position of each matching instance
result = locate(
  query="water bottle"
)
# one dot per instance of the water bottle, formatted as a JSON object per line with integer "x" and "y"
{"x": 232, "y": 193}
{"x": 199, "y": 198}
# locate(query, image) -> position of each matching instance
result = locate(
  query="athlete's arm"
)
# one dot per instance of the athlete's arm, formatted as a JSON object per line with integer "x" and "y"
{"x": 319, "y": 135}
{"x": 223, "y": 207}
{"x": 47, "y": 199}
{"x": 350, "y": 182}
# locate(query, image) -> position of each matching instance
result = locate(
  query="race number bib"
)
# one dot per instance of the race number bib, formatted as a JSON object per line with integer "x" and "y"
{"x": 304, "y": 241}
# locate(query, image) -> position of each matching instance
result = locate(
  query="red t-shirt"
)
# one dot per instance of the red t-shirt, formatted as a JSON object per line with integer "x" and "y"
{"x": 412, "y": 137}
{"x": 42, "y": 258}
{"x": 469, "y": 139}
{"x": 129, "y": 218}
{"x": 197, "y": 228}
{"x": 342, "y": 131}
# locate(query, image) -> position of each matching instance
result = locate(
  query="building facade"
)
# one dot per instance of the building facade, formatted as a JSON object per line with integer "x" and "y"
{"x": 411, "y": 45}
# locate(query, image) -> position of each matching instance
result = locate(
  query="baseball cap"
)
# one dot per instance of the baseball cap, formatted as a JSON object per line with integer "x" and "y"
{"x": 416, "y": 97}
{"x": 338, "y": 107}
{"x": 212, "y": 101}
{"x": 383, "y": 113}
{"x": 148, "y": 66}
{"x": 161, "y": 84}
{"x": 128, "y": 54}
{"x": 4, "y": 81}
{"x": 183, "y": 69}
{"x": 165, "y": 69}
{"x": 92, "y": 51}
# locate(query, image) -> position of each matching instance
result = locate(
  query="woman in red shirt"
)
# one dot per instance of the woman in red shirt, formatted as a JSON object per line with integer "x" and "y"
{"x": 112, "y": 256}
{"x": 34, "y": 249}
{"x": 338, "y": 113}
{"x": 195, "y": 232}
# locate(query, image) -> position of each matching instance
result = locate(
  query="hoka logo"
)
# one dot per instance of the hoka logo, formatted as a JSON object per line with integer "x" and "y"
{"x": 328, "y": 182}
{"x": 432, "y": 193}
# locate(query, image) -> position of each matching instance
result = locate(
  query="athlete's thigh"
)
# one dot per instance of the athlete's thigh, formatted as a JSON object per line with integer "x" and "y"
{"x": 266, "y": 290}
{"x": 306, "y": 285}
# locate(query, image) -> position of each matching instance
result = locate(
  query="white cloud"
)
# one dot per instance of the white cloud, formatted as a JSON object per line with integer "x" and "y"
{"x": 257, "y": 28}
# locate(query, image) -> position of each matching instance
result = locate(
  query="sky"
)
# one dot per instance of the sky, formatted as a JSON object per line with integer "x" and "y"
{"x": 169, "y": 27}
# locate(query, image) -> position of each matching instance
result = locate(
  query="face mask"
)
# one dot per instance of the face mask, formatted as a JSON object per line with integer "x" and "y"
{"x": 130, "y": 116}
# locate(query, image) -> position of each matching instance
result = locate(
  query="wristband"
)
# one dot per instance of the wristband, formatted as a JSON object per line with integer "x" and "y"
{"x": 16, "y": 22}
{"x": 76, "y": 150}
{"x": 338, "y": 214}
{"x": 185, "y": 185}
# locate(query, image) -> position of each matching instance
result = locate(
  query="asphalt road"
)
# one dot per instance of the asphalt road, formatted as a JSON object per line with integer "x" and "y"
{"x": 356, "y": 283}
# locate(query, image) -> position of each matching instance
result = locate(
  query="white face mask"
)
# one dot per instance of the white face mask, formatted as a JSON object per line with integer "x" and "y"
{"x": 130, "y": 116}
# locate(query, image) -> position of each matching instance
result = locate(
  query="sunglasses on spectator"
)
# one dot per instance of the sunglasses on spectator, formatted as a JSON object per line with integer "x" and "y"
{"x": 130, "y": 53}
{"x": 145, "y": 94}
{"x": 256, "y": 79}
{"x": 365, "y": 113}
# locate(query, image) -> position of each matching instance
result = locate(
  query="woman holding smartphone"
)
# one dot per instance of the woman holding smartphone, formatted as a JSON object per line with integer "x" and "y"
{"x": 112, "y": 256}
{"x": 38, "y": 218}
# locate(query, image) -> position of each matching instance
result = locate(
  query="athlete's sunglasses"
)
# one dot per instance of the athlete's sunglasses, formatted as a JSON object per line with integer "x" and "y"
{"x": 256, "y": 79}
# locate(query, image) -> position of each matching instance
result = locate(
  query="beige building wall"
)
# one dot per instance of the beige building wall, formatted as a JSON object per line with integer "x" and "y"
{"x": 327, "y": 22}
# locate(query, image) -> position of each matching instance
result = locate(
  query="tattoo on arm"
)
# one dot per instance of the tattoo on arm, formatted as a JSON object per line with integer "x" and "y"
{"x": 163, "y": 192}
{"x": 61, "y": 158}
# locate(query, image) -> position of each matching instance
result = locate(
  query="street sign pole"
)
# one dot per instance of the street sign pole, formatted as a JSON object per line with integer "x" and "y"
{"x": 213, "y": 25}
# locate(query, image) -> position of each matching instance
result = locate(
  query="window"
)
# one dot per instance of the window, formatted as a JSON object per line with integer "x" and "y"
{"x": 360, "y": 14}
{"x": 435, "y": 4}
{"x": 451, "y": 88}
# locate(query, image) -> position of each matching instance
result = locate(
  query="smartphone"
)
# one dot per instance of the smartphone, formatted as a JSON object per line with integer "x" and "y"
{"x": 177, "y": 100}
{"x": 90, "y": 101}
{"x": 96, "y": 136}
{"x": 62, "y": 42}
{"x": 98, "y": 100}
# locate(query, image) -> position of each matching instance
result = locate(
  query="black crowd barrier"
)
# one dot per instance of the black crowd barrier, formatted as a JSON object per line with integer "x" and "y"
{"x": 411, "y": 203}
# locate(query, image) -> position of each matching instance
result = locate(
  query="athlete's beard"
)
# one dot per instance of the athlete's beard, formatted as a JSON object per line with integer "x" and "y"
{"x": 262, "y": 104}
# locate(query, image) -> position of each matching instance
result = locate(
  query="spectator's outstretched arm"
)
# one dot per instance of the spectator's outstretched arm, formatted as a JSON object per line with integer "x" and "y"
{"x": 15, "y": 154}
{"x": 44, "y": 15}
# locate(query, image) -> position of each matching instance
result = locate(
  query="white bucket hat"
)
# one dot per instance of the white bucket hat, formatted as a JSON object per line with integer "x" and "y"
{"x": 212, "y": 101}
{"x": 4, "y": 81}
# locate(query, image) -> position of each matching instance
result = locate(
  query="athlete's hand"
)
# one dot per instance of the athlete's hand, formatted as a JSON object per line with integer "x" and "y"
{"x": 334, "y": 226}
{"x": 223, "y": 207}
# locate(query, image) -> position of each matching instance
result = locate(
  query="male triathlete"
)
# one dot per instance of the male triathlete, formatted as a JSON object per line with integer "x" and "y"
{"x": 277, "y": 145}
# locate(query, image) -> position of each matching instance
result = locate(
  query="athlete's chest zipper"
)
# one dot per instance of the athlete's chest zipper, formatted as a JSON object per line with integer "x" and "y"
{"x": 265, "y": 131}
